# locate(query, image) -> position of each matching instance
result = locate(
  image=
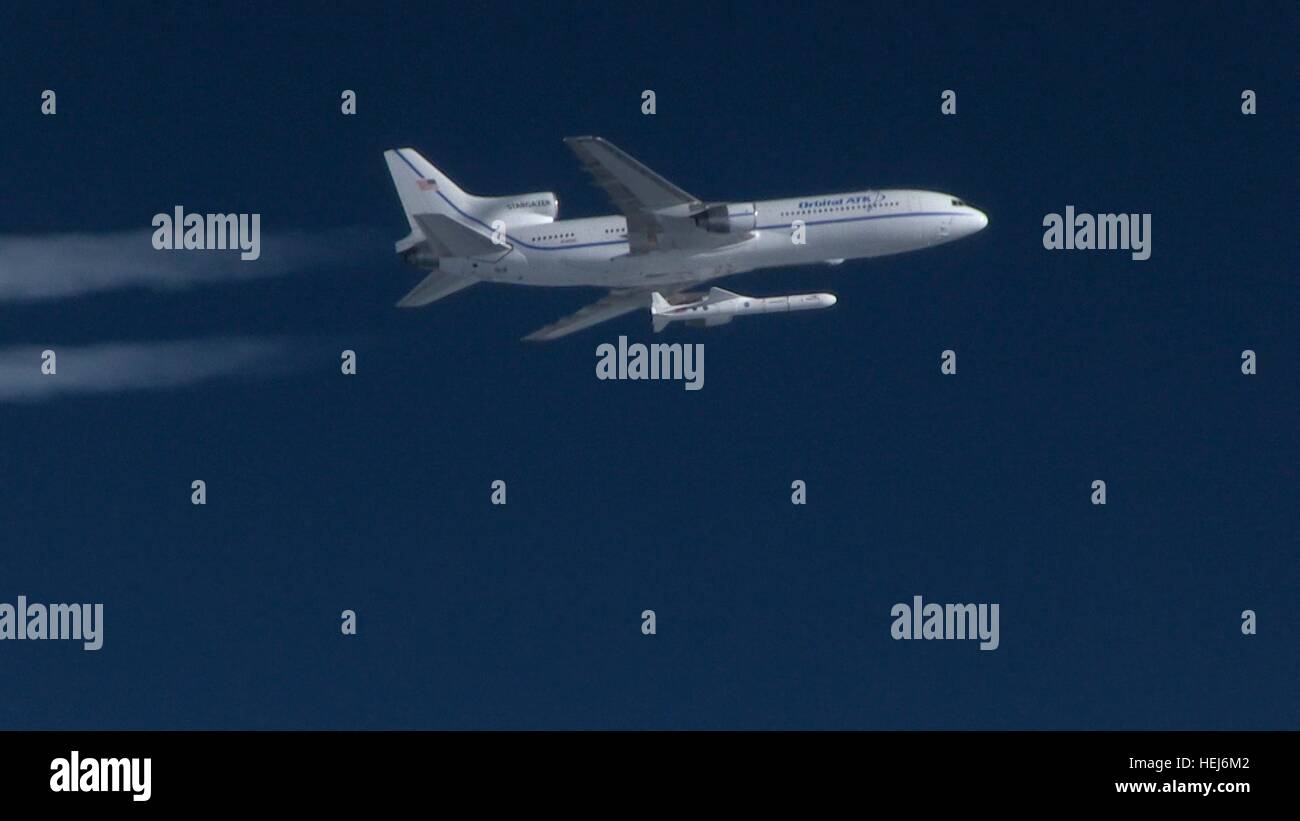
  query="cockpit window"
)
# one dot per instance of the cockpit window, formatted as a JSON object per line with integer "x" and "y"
{"x": 958, "y": 202}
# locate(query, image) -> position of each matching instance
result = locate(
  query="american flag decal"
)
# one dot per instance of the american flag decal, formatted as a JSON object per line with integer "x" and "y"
{"x": 427, "y": 185}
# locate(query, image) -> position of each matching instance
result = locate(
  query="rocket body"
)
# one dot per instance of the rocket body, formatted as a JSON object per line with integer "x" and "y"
{"x": 720, "y": 306}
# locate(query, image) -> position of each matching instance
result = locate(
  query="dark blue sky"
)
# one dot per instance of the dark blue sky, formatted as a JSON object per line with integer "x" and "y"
{"x": 371, "y": 492}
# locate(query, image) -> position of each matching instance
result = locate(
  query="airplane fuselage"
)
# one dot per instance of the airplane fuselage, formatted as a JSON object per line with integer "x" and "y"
{"x": 664, "y": 241}
{"x": 594, "y": 251}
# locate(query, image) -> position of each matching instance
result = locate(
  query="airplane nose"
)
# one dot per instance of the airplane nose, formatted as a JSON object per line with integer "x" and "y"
{"x": 972, "y": 222}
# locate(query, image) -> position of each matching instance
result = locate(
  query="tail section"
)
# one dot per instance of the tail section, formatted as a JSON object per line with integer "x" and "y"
{"x": 658, "y": 305}
{"x": 424, "y": 189}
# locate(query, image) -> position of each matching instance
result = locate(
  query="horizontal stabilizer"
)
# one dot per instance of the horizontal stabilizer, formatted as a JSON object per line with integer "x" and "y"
{"x": 434, "y": 287}
{"x": 614, "y": 304}
{"x": 716, "y": 294}
{"x": 457, "y": 237}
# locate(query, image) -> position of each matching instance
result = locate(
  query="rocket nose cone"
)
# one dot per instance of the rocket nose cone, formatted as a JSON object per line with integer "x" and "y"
{"x": 829, "y": 299}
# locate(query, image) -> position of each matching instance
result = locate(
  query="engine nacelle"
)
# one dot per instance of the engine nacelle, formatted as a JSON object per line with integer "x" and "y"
{"x": 521, "y": 209}
{"x": 728, "y": 218}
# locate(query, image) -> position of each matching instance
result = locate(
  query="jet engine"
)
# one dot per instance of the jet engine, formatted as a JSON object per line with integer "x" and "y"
{"x": 728, "y": 218}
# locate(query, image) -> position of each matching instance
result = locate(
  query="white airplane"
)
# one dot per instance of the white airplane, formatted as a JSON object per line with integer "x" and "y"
{"x": 665, "y": 242}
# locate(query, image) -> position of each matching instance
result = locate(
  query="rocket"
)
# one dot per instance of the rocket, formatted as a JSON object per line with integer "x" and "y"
{"x": 719, "y": 306}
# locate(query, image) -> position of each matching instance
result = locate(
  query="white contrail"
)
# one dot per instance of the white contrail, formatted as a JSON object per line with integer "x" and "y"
{"x": 126, "y": 366}
{"x": 52, "y": 266}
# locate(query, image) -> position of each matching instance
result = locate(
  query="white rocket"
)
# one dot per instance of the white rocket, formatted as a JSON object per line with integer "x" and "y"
{"x": 719, "y": 306}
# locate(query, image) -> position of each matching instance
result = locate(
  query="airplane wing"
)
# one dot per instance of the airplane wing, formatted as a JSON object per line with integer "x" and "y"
{"x": 631, "y": 185}
{"x": 614, "y": 304}
{"x": 658, "y": 212}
